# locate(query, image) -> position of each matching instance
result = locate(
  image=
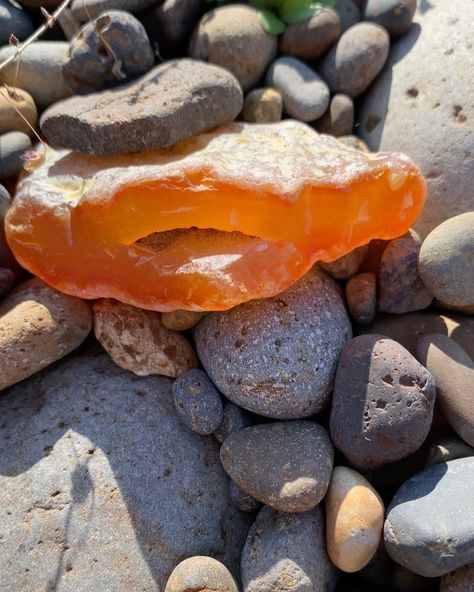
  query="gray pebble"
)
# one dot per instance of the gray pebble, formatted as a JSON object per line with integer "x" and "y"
{"x": 395, "y": 15}
{"x": 285, "y": 465}
{"x": 234, "y": 419}
{"x": 277, "y": 357}
{"x": 197, "y": 402}
{"x": 382, "y": 404}
{"x": 430, "y": 524}
{"x": 263, "y": 105}
{"x": 339, "y": 118}
{"x": 201, "y": 574}
{"x": 14, "y": 21}
{"x": 242, "y": 500}
{"x": 13, "y": 146}
{"x": 401, "y": 289}
{"x": 361, "y": 296}
{"x": 84, "y": 10}
{"x": 311, "y": 38}
{"x": 113, "y": 38}
{"x": 459, "y": 580}
{"x": 349, "y": 13}
{"x": 448, "y": 449}
{"x": 357, "y": 58}
{"x": 305, "y": 94}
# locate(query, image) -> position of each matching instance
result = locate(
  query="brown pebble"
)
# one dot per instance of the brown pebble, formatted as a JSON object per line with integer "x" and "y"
{"x": 361, "y": 296}
{"x": 181, "y": 320}
{"x": 263, "y": 105}
{"x": 344, "y": 267}
{"x": 7, "y": 279}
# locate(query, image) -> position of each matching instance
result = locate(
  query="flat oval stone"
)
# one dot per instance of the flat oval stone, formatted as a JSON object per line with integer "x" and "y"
{"x": 129, "y": 119}
{"x": 354, "y": 520}
{"x": 277, "y": 357}
{"x": 382, "y": 404}
{"x": 395, "y": 15}
{"x": 430, "y": 524}
{"x": 286, "y": 465}
{"x": 311, "y": 38}
{"x": 14, "y": 101}
{"x": 201, "y": 574}
{"x": 459, "y": 580}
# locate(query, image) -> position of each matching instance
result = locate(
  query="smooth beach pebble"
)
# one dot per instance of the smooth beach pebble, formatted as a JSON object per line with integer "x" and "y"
{"x": 232, "y": 37}
{"x": 242, "y": 500}
{"x": 382, "y": 404}
{"x": 459, "y": 580}
{"x": 453, "y": 371}
{"x": 311, "y": 38}
{"x": 448, "y": 449}
{"x": 305, "y": 94}
{"x": 286, "y": 465}
{"x": 84, "y": 10}
{"x": 344, "y": 267}
{"x": 349, "y": 13}
{"x": 339, "y": 118}
{"x": 38, "y": 326}
{"x": 234, "y": 419}
{"x": 201, "y": 574}
{"x": 136, "y": 340}
{"x": 361, "y": 296}
{"x": 395, "y": 15}
{"x": 277, "y": 357}
{"x": 197, "y": 402}
{"x": 13, "y": 146}
{"x": 357, "y": 58}
{"x": 181, "y": 320}
{"x": 7, "y": 260}
{"x": 354, "y": 520}
{"x": 14, "y": 21}
{"x": 12, "y": 101}
{"x": 263, "y": 105}
{"x": 429, "y": 527}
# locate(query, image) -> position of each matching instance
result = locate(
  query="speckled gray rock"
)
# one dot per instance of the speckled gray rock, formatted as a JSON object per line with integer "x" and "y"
{"x": 430, "y": 526}
{"x": 361, "y": 296}
{"x": 83, "y": 10}
{"x": 41, "y": 71}
{"x": 263, "y": 105}
{"x": 13, "y": 146}
{"x": 234, "y": 419}
{"x": 305, "y": 94}
{"x": 401, "y": 289}
{"x": 382, "y": 404}
{"x": 395, "y": 15}
{"x": 448, "y": 449}
{"x": 194, "y": 97}
{"x": 232, "y": 37}
{"x": 204, "y": 574}
{"x": 349, "y": 13}
{"x": 357, "y": 58}
{"x": 14, "y": 21}
{"x": 107, "y": 476}
{"x": 459, "y": 580}
{"x": 403, "y": 106}
{"x": 277, "y": 357}
{"x": 346, "y": 266}
{"x": 287, "y": 552}
{"x": 339, "y": 118}
{"x": 453, "y": 371}
{"x": 93, "y": 60}
{"x": 285, "y": 465}
{"x": 197, "y": 402}
{"x": 242, "y": 500}
{"x": 446, "y": 262}
{"x": 311, "y": 38}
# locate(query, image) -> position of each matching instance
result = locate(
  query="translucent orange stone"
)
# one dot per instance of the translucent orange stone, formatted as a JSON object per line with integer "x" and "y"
{"x": 232, "y": 215}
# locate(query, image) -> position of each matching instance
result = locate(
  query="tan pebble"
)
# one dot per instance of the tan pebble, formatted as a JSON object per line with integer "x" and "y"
{"x": 354, "y": 520}
{"x": 137, "y": 340}
{"x": 263, "y": 105}
{"x": 201, "y": 574}
{"x": 361, "y": 296}
{"x": 10, "y": 120}
{"x": 38, "y": 325}
{"x": 346, "y": 266}
{"x": 181, "y": 320}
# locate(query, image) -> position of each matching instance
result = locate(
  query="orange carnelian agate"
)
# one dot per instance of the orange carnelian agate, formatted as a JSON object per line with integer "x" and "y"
{"x": 232, "y": 215}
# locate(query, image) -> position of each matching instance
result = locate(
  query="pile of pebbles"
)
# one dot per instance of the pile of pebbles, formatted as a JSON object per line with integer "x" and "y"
{"x": 320, "y": 440}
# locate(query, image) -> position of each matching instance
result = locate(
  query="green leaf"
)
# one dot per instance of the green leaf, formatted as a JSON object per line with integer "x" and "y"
{"x": 271, "y": 23}
{"x": 290, "y": 16}
{"x": 265, "y": 4}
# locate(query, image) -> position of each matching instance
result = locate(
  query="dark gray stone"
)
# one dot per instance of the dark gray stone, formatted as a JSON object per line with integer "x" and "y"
{"x": 285, "y": 465}
{"x": 349, "y": 13}
{"x": 305, "y": 94}
{"x": 287, "y": 552}
{"x": 339, "y": 118}
{"x": 357, "y": 58}
{"x": 13, "y": 146}
{"x": 430, "y": 524}
{"x": 7, "y": 279}
{"x": 97, "y": 471}
{"x": 395, "y": 15}
{"x": 194, "y": 97}
{"x": 234, "y": 419}
{"x": 446, "y": 449}
{"x": 242, "y": 500}
{"x": 197, "y": 402}
{"x": 382, "y": 403}
{"x": 459, "y": 580}
{"x": 361, "y": 296}
{"x": 311, "y": 38}
{"x": 84, "y": 10}
{"x": 14, "y": 21}
{"x": 277, "y": 357}
{"x": 121, "y": 52}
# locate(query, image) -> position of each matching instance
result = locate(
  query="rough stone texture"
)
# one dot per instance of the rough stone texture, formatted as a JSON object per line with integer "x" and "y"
{"x": 287, "y": 552}
{"x": 40, "y": 72}
{"x": 460, "y": 580}
{"x": 38, "y": 326}
{"x": 137, "y": 341}
{"x": 263, "y": 105}
{"x": 430, "y": 526}
{"x": 285, "y": 465}
{"x": 305, "y": 94}
{"x": 448, "y": 449}
{"x": 234, "y": 419}
{"x": 382, "y": 403}
{"x": 344, "y": 267}
{"x": 395, "y": 15}
{"x": 446, "y": 262}
{"x": 453, "y": 371}
{"x": 10, "y": 120}
{"x": 83, "y": 10}
{"x": 361, "y": 296}
{"x": 194, "y": 97}
{"x": 404, "y": 106}
{"x": 354, "y": 520}
{"x": 106, "y": 476}
{"x": 7, "y": 279}
{"x": 204, "y": 574}
{"x": 197, "y": 402}
{"x": 401, "y": 289}
{"x": 242, "y": 500}
{"x": 311, "y": 38}
{"x": 339, "y": 118}
{"x": 181, "y": 320}
{"x": 277, "y": 357}
{"x": 93, "y": 59}
{"x": 357, "y": 58}
{"x": 349, "y": 13}
{"x": 13, "y": 146}
{"x": 232, "y": 37}
{"x": 14, "y": 21}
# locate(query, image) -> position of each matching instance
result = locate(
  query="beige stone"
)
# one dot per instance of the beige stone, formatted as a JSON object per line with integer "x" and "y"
{"x": 201, "y": 574}
{"x": 263, "y": 105}
{"x": 137, "y": 340}
{"x": 181, "y": 320}
{"x": 10, "y": 120}
{"x": 38, "y": 325}
{"x": 354, "y": 520}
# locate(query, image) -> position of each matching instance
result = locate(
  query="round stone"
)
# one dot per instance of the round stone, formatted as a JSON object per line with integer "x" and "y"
{"x": 339, "y": 118}
{"x": 277, "y": 357}
{"x": 14, "y": 21}
{"x": 286, "y": 465}
{"x": 446, "y": 262}
{"x": 263, "y": 105}
{"x": 395, "y": 15}
{"x": 349, "y": 13}
{"x": 242, "y": 500}
{"x": 459, "y": 580}
{"x": 344, "y": 267}
{"x": 232, "y": 37}
{"x": 181, "y": 320}
{"x": 311, "y": 38}
{"x": 234, "y": 419}
{"x": 201, "y": 573}
{"x": 448, "y": 449}
{"x": 13, "y": 146}
{"x": 361, "y": 296}
{"x": 10, "y": 119}
{"x": 382, "y": 404}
